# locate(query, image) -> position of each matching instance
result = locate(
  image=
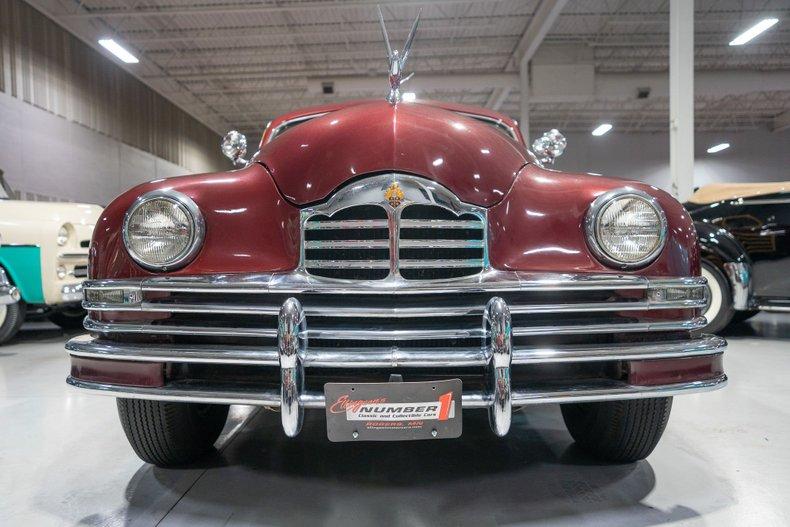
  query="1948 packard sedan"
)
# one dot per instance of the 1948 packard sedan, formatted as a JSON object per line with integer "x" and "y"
{"x": 394, "y": 263}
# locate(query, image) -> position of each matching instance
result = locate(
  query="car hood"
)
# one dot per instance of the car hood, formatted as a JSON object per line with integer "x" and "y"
{"x": 471, "y": 158}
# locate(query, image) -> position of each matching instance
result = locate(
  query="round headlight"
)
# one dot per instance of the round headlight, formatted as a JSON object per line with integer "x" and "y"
{"x": 63, "y": 235}
{"x": 163, "y": 230}
{"x": 626, "y": 228}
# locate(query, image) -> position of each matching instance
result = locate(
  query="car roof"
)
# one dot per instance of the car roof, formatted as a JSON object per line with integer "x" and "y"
{"x": 724, "y": 191}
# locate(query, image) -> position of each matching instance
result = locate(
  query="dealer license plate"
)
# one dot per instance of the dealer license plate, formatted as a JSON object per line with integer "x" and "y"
{"x": 393, "y": 411}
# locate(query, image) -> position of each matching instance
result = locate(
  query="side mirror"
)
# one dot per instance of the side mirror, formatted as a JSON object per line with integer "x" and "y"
{"x": 234, "y": 147}
{"x": 549, "y": 146}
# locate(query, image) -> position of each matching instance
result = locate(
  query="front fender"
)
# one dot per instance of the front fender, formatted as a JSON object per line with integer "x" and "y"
{"x": 718, "y": 246}
{"x": 250, "y": 227}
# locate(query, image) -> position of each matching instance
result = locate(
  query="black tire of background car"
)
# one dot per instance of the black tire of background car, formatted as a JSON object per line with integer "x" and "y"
{"x": 722, "y": 288}
{"x": 14, "y": 318}
{"x": 743, "y": 316}
{"x": 618, "y": 431}
{"x": 68, "y": 319}
{"x": 171, "y": 434}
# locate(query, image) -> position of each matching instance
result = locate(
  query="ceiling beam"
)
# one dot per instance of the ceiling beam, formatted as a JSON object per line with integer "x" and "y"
{"x": 781, "y": 122}
{"x": 498, "y": 96}
{"x": 250, "y": 8}
{"x": 537, "y": 28}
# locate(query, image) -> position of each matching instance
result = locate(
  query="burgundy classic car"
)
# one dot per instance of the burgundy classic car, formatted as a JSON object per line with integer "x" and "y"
{"x": 392, "y": 264}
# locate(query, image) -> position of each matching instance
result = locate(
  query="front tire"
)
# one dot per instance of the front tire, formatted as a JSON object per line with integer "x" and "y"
{"x": 12, "y": 316}
{"x": 618, "y": 431}
{"x": 171, "y": 434}
{"x": 719, "y": 310}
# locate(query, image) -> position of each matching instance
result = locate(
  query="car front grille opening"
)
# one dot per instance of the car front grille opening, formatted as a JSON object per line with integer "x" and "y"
{"x": 435, "y": 243}
{"x": 352, "y": 244}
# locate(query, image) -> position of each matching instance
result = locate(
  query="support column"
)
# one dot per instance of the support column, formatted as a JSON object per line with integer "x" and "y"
{"x": 681, "y": 98}
{"x": 523, "y": 118}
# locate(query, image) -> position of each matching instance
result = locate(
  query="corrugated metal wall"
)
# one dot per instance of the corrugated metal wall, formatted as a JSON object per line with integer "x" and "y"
{"x": 44, "y": 65}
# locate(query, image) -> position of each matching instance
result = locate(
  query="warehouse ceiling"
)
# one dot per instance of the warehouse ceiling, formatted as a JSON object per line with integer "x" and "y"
{"x": 236, "y": 64}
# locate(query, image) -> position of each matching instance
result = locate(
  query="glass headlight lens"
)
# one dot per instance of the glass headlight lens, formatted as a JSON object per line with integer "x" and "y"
{"x": 626, "y": 228}
{"x": 63, "y": 235}
{"x": 163, "y": 230}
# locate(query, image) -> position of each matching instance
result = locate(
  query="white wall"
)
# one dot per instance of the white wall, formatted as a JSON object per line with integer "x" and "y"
{"x": 757, "y": 155}
{"x": 46, "y": 156}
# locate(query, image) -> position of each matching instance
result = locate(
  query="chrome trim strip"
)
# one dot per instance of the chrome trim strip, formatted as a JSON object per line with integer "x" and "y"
{"x": 774, "y": 308}
{"x": 408, "y": 243}
{"x": 498, "y": 122}
{"x": 264, "y": 397}
{"x": 300, "y": 282}
{"x": 347, "y": 264}
{"x": 591, "y": 227}
{"x": 393, "y": 312}
{"x": 626, "y": 327}
{"x": 278, "y": 130}
{"x": 347, "y": 244}
{"x": 410, "y": 263}
{"x": 394, "y": 334}
{"x": 391, "y": 356}
{"x": 86, "y": 346}
{"x": 106, "y": 327}
{"x": 73, "y": 256}
{"x": 441, "y": 224}
{"x": 345, "y": 224}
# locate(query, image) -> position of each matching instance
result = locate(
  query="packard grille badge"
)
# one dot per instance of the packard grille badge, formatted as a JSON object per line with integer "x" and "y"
{"x": 394, "y": 195}
{"x": 397, "y": 59}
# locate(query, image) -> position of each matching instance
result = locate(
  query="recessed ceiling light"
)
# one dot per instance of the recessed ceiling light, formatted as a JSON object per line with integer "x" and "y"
{"x": 753, "y": 31}
{"x": 118, "y": 50}
{"x": 602, "y": 129}
{"x": 718, "y": 148}
{"x": 409, "y": 96}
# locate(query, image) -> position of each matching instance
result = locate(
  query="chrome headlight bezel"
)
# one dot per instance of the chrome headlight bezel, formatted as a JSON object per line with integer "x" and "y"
{"x": 197, "y": 234}
{"x": 591, "y": 224}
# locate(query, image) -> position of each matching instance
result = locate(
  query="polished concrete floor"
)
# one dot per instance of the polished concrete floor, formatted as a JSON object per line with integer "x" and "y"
{"x": 724, "y": 460}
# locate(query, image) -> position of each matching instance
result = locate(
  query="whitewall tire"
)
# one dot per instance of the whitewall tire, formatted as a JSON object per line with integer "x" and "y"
{"x": 719, "y": 310}
{"x": 11, "y": 318}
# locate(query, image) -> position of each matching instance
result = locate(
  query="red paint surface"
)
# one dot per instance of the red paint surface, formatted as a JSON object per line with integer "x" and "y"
{"x": 250, "y": 227}
{"x": 126, "y": 373}
{"x": 535, "y": 215}
{"x": 474, "y": 160}
{"x": 671, "y": 371}
{"x": 539, "y": 226}
{"x": 333, "y": 107}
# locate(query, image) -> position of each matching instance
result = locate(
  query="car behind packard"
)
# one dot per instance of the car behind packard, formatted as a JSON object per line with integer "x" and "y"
{"x": 743, "y": 234}
{"x": 394, "y": 264}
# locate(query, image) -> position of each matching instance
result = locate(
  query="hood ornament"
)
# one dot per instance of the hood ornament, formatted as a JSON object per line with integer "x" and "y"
{"x": 397, "y": 59}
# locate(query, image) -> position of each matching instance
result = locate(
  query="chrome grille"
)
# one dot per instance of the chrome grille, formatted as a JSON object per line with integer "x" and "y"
{"x": 435, "y": 243}
{"x": 394, "y": 225}
{"x": 351, "y": 244}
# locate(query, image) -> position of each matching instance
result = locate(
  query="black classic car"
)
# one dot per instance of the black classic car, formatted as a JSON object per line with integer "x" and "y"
{"x": 743, "y": 234}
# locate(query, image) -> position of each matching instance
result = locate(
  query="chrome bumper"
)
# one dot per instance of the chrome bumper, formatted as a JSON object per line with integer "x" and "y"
{"x": 8, "y": 293}
{"x": 291, "y": 353}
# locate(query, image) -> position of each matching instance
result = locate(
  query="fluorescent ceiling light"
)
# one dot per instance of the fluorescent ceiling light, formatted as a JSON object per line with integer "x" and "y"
{"x": 602, "y": 129}
{"x": 118, "y": 50}
{"x": 753, "y": 31}
{"x": 409, "y": 96}
{"x": 718, "y": 148}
